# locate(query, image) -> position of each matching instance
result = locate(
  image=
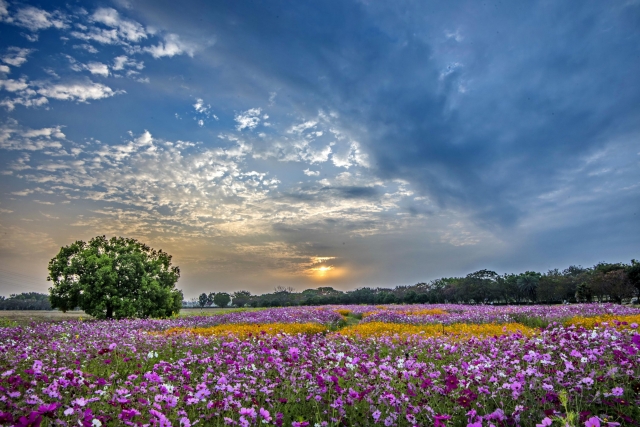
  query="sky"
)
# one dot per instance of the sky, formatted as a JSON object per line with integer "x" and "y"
{"x": 335, "y": 143}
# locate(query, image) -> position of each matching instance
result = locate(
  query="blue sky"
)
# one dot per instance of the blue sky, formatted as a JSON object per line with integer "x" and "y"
{"x": 334, "y": 143}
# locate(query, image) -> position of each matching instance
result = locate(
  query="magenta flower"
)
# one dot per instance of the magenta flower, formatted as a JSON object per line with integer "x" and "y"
{"x": 592, "y": 422}
{"x": 545, "y": 422}
{"x": 617, "y": 391}
{"x": 439, "y": 420}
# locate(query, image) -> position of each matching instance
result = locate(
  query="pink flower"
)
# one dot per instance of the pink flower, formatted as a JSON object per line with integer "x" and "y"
{"x": 265, "y": 414}
{"x": 545, "y": 422}
{"x": 592, "y": 422}
{"x": 617, "y": 391}
{"x": 439, "y": 420}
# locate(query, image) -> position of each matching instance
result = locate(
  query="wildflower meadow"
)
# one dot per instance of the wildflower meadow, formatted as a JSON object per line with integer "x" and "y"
{"x": 422, "y": 365}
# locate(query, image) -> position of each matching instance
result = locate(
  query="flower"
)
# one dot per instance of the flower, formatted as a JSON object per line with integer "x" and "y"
{"x": 592, "y": 422}
{"x": 617, "y": 391}
{"x": 545, "y": 422}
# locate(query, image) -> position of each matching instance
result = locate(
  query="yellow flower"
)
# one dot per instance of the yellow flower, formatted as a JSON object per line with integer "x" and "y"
{"x": 605, "y": 319}
{"x": 456, "y": 330}
{"x": 243, "y": 330}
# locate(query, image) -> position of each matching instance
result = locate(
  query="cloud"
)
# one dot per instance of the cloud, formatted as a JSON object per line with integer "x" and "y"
{"x": 248, "y": 119}
{"x": 173, "y": 45}
{"x": 200, "y": 107}
{"x": 128, "y": 30}
{"x": 98, "y": 68}
{"x": 99, "y": 35}
{"x": 311, "y": 173}
{"x": 81, "y": 91}
{"x": 3, "y": 9}
{"x": 12, "y": 85}
{"x": 36, "y": 19}
{"x": 87, "y": 47}
{"x": 16, "y": 56}
{"x": 122, "y": 61}
{"x": 4, "y": 69}
{"x": 15, "y": 137}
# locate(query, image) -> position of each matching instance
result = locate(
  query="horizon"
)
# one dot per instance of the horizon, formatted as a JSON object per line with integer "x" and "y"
{"x": 341, "y": 144}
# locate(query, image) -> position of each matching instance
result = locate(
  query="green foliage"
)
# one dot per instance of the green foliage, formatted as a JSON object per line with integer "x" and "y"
{"x": 210, "y": 298}
{"x": 633, "y": 273}
{"x": 7, "y": 323}
{"x": 583, "y": 292}
{"x": 202, "y": 300}
{"x": 222, "y": 299}
{"x": 115, "y": 278}
{"x": 528, "y": 284}
{"x": 25, "y": 301}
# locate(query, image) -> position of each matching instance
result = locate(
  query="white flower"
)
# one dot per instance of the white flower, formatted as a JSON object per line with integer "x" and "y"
{"x": 152, "y": 354}
{"x": 96, "y": 423}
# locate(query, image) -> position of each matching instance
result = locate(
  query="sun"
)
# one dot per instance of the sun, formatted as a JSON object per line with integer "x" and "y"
{"x": 322, "y": 271}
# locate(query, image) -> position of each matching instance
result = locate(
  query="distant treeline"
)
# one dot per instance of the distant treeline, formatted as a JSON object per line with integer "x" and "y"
{"x": 25, "y": 301}
{"x": 604, "y": 282}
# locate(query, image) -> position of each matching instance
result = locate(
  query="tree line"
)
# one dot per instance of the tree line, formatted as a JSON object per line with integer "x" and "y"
{"x": 25, "y": 301}
{"x": 604, "y": 282}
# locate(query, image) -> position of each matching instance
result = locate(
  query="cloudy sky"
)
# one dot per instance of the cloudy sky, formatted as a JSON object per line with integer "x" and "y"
{"x": 333, "y": 143}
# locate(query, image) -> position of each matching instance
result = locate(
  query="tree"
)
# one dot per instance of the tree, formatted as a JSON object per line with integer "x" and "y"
{"x": 633, "y": 273}
{"x": 222, "y": 299}
{"x": 210, "y": 299}
{"x": 115, "y": 278}
{"x": 528, "y": 284}
{"x": 240, "y": 298}
{"x": 202, "y": 300}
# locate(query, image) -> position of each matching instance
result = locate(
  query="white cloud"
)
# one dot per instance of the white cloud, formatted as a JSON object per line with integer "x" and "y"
{"x": 120, "y": 62}
{"x": 300, "y": 128}
{"x": 454, "y": 35}
{"x": 200, "y": 107}
{"x": 172, "y": 46}
{"x": 87, "y": 47}
{"x": 11, "y": 85}
{"x": 311, "y": 173}
{"x": 127, "y": 29}
{"x": 98, "y": 68}
{"x": 4, "y": 69}
{"x": 15, "y": 137}
{"x": 81, "y": 92}
{"x": 16, "y": 56}
{"x": 99, "y": 35}
{"x": 10, "y": 103}
{"x": 3, "y": 9}
{"x": 36, "y": 19}
{"x": 248, "y": 119}
{"x": 351, "y": 155}
{"x": 200, "y": 123}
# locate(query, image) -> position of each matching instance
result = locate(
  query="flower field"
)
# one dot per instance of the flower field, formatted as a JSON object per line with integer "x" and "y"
{"x": 432, "y": 365}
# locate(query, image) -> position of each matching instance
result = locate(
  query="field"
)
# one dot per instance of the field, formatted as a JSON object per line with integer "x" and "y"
{"x": 25, "y": 317}
{"x": 422, "y": 365}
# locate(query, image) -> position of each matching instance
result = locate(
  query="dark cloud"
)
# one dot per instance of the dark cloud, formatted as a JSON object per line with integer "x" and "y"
{"x": 479, "y": 107}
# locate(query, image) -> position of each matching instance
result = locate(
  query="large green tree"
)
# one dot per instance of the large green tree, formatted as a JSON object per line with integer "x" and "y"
{"x": 114, "y": 278}
{"x": 222, "y": 299}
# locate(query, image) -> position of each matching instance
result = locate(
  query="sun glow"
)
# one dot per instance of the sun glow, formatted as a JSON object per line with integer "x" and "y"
{"x": 322, "y": 271}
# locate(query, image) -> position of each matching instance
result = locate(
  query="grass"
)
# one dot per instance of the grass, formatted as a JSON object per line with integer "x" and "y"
{"x": 24, "y": 317}
{"x": 213, "y": 311}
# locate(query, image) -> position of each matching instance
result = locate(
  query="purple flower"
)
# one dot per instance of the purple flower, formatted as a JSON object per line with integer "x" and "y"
{"x": 592, "y": 422}
{"x": 439, "y": 420}
{"x": 617, "y": 391}
{"x": 545, "y": 422}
